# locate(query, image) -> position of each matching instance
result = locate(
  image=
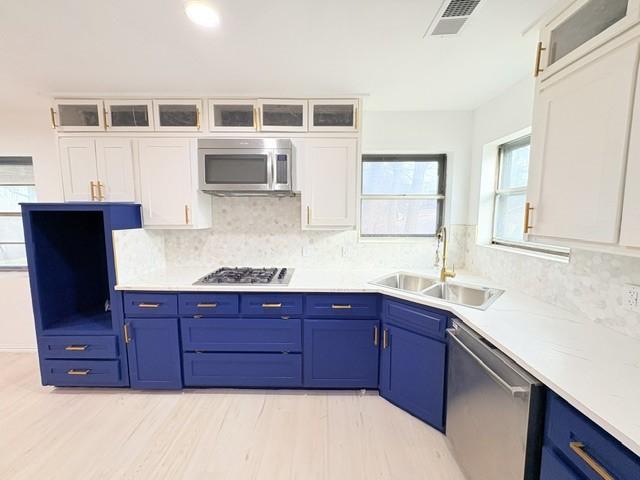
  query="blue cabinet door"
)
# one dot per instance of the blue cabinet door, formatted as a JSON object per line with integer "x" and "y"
{"x": 154, "y": 353}
{"x": 412, "y": 374}
{"x": 341, "y": 353}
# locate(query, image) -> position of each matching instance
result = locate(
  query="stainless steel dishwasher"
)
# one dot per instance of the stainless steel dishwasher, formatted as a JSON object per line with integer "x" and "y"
{"x": 494, "y": 410}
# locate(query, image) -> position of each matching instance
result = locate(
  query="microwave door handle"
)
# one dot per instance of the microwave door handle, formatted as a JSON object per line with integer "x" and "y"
{"x": 271, "y": 170}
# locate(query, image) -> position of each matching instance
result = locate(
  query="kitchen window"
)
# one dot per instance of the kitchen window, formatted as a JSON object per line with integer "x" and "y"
{"x": 16, "y": 185}
{"x": 402, "y": 195}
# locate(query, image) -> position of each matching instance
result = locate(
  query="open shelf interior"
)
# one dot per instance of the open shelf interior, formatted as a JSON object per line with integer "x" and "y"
{"x": 73, "y": 278}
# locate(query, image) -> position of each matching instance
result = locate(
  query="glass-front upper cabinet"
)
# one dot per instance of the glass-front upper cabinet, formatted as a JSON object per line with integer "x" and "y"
{"x": 283, "y": 115}
{"x": 128, "y": 115}
{"x": 178, "y": 115}
{"x": 580, "y": 28}
{"x": 232, "y": 115}
{"x": 333, "y": 115}
{"x": 77, "y": 115}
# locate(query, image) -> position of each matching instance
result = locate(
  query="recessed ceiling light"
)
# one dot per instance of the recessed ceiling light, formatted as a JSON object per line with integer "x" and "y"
{"x": 201, "y": 13}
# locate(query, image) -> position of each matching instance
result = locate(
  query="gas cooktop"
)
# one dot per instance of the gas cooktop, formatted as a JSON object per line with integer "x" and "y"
{"x": 248, "y": 276}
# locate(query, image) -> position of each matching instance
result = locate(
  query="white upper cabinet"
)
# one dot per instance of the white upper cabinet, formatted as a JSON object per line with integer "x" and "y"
{"x": 114, "y": 158}
{"x": 233, "y": 115}
{"x": 333, "y": 115}
{"x": 582, "y": 120}
{"x": 77, "y": 115}
{"x": 579, "y": 28}
{"x": 178, "y": 115}
{"x": 169, "y": 187}
{"x": 79, "y": 169}
{"x": 630, "y": 231}
{"x": 129, "y": 115}
{"x": 329, "y": 184}
{"x": 282, "y": 115}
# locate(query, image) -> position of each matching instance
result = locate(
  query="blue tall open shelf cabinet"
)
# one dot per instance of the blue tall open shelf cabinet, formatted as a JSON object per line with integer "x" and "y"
{"x": 78, "y": 314}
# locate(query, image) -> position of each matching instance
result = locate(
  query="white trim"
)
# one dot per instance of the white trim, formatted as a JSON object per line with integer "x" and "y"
{"x": 18, "y": 349}
{"x": 528, "y": 253}
{"x": 121, "y": 102}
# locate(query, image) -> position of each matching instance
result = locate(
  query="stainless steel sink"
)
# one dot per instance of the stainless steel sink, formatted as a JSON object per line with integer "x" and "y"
{"x": 469, "y": 296}
{"x": 406, "y": 282}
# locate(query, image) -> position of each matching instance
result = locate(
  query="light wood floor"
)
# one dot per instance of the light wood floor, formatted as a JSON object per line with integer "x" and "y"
{"x": 48, "y": 433}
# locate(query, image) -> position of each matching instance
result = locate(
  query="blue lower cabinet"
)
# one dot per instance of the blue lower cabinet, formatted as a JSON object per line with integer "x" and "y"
{"x": 82, "y": 373}
{"x": 78, "y": 347}
{"x": 412, "y": 374}
{"x": 154, "y": 353}
{"x": 271, "y": 370}
{"x": 554, "y": 468}
{"x": 341, "y": 353}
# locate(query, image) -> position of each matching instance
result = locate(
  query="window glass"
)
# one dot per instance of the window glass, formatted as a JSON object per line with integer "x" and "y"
{"x": 400, "y": 177}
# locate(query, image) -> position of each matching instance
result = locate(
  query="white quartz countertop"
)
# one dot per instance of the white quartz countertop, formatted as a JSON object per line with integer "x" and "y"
{"x": 594, "y": 368}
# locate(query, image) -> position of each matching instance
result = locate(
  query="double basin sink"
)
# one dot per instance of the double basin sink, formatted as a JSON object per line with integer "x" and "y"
{"x": 452, "y": 292}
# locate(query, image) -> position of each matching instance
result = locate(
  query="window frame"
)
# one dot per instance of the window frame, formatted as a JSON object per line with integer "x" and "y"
{"x": 440, "y": 197}
{"x": 19, "y": 160}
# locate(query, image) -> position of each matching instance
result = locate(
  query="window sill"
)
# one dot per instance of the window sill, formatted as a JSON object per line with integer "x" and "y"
{"x": 528, "y": 253}
{"x": 398, "y": 240}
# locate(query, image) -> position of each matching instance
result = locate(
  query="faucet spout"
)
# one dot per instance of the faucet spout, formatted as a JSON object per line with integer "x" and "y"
{"x": 444, "y": 272}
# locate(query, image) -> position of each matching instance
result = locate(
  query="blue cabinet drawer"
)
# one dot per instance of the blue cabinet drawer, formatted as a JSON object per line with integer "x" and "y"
{"x": 78, "y": 373}
{"x": 150, "y": 304}
{"x": 209, "y": 304}
{"x": 565, "y": 428}
{"x": 554, "y": 468}
{"x": 242, "y": 370}
{"x": 415, "y": 319}
{"x": 241, "y": 334}
{"x": 351, "y": 305}
{"x": 271, "y": 304}
{"x": 78, "y": 347}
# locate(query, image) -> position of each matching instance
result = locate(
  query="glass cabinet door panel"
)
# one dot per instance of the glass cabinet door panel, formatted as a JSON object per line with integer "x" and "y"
{"x": 333, "y": 116}
{"x": 283, "y": 115}
{"x": 78, "y": 115}
{"x": 233, "y": 115}
{"x": 129, "y": 116}
{"x": 178, "y": 115}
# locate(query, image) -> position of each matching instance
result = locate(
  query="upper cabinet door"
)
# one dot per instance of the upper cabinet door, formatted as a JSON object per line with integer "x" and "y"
{"x": 229, "y": 115}
{"x": 580, "y": 28}
{"x": 178, "y": 115}
{"x": 581, "y": 128}
{"x": 334, "y": 115}
{"x": 129, "y": 115}
{"x": 630, "y": 231}
{"x": 329, "y": 190}
{"x": 283, "y": 115}
{"x": 79, "y": 170}
{"x": 77, "y": 115}
{"x": 166, "y": 182}
{"x": 115, "y": 170}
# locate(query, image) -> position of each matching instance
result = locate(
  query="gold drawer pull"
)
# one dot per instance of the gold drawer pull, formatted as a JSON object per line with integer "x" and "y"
{"x": 207, "y": 305}
{"x": 385, "y": 339}
{"x": 341, "y": 307}
{"x": 148, "y": 305}
{"x": 537, "y": 71}
{"x": 527, "y": 217}
{"x": 579, "y": 449}
{"x": 76, "y": 348}
{"x": 376, "y": 336}
{"x": 74, "y": 371}
{"x": 271, "y": 305}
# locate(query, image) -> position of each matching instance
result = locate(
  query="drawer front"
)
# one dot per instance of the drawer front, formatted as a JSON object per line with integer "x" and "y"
{"x": 209, "y": 304}
{"x": 78, "y": 373}
{"x": 271, "y": 305}
{"x": 338, "y": 305}
{"x": 242, "y": 370}
{"x": 78, "y": 347}
{"x": 554, "y": 468}
{"x": 414, "y": 319}
{"x": 150, "y": 304}
{"x": 241, "y": 334}
{"x": 565, "y": 425}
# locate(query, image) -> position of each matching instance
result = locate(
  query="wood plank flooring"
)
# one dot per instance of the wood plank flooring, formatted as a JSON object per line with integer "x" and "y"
{"x": 49, "y": 433}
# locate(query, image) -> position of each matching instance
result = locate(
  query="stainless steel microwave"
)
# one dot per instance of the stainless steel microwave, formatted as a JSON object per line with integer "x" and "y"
{"x": 245, "y": 166}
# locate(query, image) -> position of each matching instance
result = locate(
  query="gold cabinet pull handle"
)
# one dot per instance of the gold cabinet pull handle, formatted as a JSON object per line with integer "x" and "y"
{"x": 271, "y": 305}
{"x": 105, "y": 117}
{"x": 579, "y": 449}
{"x": 385, "y": 339}
{"x": 197, "y": 118}
{"x": 148, "y": 305}
{"x": 93, "y": 191}
{"x": 53, "y": 118}
{"x": 527, "y": 217}
{"x": 539, "y": 51}
{"x": 355, "y": 118}
{"x": 127, "y": 338}
{"x": 376, "y": 336}
{"x": 76, "y": 348}
{"x": 100, "y": 190}
{"x": 207, "y": 305}
{"x": 186, "y": 214}
{"x": 255, "y": 118}
{"x": 308, "y": 215}
{"x": 341, "y": 307}
{"x": 75, "y": 371}
{"x": 259, "y": 122}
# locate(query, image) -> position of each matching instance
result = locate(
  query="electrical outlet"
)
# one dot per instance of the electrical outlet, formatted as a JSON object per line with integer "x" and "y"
{"x": 348, "y": 251}
{"x": 631, "y": 298}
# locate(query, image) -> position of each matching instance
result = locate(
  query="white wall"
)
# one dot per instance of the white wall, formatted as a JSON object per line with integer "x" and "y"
{"x": 25, "y": 131}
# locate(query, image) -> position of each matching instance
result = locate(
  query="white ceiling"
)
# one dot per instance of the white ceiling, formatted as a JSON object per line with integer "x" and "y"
{"x": 267, "y": 48}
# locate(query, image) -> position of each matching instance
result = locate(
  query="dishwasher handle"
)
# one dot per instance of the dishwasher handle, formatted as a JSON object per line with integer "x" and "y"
{"x": 514, "y": 391}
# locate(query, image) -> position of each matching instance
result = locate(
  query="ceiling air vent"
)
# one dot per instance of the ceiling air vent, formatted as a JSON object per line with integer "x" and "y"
{"x": 451, "y": 17}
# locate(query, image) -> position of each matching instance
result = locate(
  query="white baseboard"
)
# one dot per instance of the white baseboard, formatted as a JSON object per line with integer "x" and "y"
{"x": 18, "y": 349}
